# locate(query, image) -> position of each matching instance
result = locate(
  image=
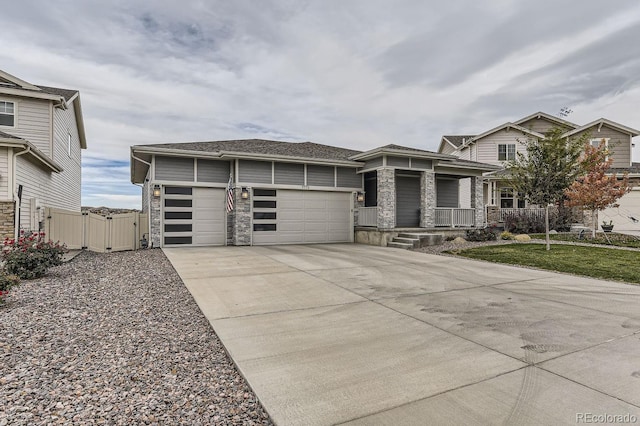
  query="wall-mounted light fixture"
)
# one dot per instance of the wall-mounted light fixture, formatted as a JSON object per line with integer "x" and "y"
{"x": 360, "y": 197}
{"x": 244, "y": 194}
{"x": 156, "y": 190}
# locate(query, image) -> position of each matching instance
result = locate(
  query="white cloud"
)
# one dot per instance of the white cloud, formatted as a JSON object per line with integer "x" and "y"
{"x": 357, "y": 74}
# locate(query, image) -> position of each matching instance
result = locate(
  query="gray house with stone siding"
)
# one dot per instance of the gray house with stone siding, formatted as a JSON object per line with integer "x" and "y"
{"x": 298, "y": 193}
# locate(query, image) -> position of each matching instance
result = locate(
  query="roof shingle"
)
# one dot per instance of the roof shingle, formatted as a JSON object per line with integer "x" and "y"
{"x": 263, "y": 146}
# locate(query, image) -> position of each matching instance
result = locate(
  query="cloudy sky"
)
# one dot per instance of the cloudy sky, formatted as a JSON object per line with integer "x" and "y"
{"x": 351, "y": 73}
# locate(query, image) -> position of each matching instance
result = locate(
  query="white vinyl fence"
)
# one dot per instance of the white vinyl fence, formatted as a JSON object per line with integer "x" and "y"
{"x": 118, "y": 232}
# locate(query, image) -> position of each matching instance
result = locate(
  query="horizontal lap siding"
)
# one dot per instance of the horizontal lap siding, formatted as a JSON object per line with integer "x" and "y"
{"x": 288, "y": 174}
{"x": 619, "y": 144}
{"x": 60, "y": 190}
{"x": 348, "y": 178}
{"x": 541, "y": 125}
{"x": 447, "y": 193}
{"x": 213, "y": 171}
{"x": 373, "y": 163}
{"x": 487, "y": 147}
{"x": 398, "y": 162}
{"x": 255, "y": 171}
{"x": 419, "y": 163}
{"x": 174, "y": 169}
{"x": 66, "y": 186}
{"x": 320, "y": 176}
{"x": 33, "y": 122}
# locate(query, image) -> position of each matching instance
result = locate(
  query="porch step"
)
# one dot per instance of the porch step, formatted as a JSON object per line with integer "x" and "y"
{"x": 424, "y": 239}
{"x": 395, "y": 244}
{"x": 414, "y": 242}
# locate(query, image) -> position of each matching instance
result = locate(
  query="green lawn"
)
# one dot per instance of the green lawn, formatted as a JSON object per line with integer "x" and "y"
{"x": 596, "y": 262}
{"x": 614, "y": 239}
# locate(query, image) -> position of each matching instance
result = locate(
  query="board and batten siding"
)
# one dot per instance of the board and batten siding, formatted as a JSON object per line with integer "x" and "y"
{"x": 33, "y": 121}
{"x": 288, "y": 174}
{"x": 619, "y": 144}
{"x": 174, "y": 168}
{"x": 213, "y": 171}
{"x": 60, "y": 190}
{"x": 487, "y": 147}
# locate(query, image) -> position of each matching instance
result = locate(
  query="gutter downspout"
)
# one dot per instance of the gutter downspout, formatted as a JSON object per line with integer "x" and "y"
{"x": 18, "y": 210}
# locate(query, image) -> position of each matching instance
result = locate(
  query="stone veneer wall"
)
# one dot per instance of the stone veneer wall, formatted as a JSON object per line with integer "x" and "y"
{"x": 356, "y": 206}
{"x": 7, "y": 219}
{"x": 386, "y": 198}
{"x": 241, "y": 219}
{"x": 477, "y": 200}
{"x": 154, "y": 222}
{"x": 427, "y": 199}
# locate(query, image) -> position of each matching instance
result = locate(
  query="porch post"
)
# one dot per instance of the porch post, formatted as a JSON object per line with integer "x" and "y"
{"x": 386, "y": 198}
{"x": 427, "y": 199}
{"x": 477, "y": 200}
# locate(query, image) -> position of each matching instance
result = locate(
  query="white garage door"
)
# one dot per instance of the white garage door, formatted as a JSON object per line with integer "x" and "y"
{"x": 301, "y": 217}
{"x": 193, "y": 216}
{"x": 623, "y": 216}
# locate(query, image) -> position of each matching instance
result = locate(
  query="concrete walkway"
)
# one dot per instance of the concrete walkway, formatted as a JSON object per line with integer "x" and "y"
{"x": 362, "y": 335}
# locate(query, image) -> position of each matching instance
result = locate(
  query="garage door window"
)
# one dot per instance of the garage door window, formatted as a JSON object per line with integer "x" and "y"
{"x": 264, "y": 210}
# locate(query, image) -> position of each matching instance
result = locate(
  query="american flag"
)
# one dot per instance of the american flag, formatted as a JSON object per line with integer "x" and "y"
{"x": 229, "y": 195}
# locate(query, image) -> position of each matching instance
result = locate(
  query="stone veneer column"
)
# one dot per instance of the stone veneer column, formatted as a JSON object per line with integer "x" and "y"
{"x": 154, "y": 221}
{"x": 386, "y": 198}
{"x": 477, "y": 199}
{"x": 241, "y": 219}
{"x": 7, "y": 219}
{"x": 428, "y": 199}
{"x": 356, "y": 205}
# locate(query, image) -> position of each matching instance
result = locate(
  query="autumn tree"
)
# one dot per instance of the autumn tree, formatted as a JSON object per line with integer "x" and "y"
{"x": 548, "y": 168}
{"x": 596, "y": 189}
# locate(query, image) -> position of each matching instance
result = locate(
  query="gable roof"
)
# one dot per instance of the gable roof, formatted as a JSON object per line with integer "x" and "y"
{"x": 548, "y": 117}
{"x": 600, "y": 122}
{"x": 401, "y": 151}
{"x": 12, "y": 85}
{"x": 507, "y": 126}
{"x": 457, "y": 140}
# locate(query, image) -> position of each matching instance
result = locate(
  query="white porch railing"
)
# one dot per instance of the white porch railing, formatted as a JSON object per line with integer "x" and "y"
{"x": 367, "y": 216}
{"x": 531, "y": 212}
{"x": 454, "y": 217}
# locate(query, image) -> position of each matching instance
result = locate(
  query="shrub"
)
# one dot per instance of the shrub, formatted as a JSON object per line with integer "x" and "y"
{"x": 560, "y": 219}
{"x": 31, "y": 255}
{"x": 484, "y": 234}
{"x": 506, "y": 235}
{"x": 7, "y": 281}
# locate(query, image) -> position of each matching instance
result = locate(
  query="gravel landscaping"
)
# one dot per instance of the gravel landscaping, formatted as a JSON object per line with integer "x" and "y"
{"x": 116, "y": 339}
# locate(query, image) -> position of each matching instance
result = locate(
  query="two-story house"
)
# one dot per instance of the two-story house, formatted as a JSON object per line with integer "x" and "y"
{"x": 41, "y": 138}
{"x": 501, "y": 144}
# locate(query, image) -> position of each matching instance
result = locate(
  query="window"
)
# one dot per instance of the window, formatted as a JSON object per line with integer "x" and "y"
{"x": 506, "y": 152}
{"x": 506, "y": 198}
{"x": 598, "y": 142}
{"x": 69, "y": 144}
{"x": 7, "y": 113}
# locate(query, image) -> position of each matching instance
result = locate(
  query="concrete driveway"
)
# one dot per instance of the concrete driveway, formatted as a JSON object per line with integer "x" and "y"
{"x": 362, "y": 335}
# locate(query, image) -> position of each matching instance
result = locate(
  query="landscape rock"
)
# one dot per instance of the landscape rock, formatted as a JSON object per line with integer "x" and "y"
{"x": 459, "y": 240}
{"x": 522, "y": 238}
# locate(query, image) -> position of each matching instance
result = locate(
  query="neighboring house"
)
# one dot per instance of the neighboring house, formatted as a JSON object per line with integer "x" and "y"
{"x": 41, "y": 138}
{"x": 502, "y": 143}
{"x": 292, "y": 193}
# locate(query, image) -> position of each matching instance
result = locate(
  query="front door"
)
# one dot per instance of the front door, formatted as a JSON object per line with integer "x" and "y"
{"x": 407, "y": 201}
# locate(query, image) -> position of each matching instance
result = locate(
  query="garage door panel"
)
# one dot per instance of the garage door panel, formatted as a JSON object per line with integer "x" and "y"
{"x": 309, "y": 217}
{"x": 208, "y": 219}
